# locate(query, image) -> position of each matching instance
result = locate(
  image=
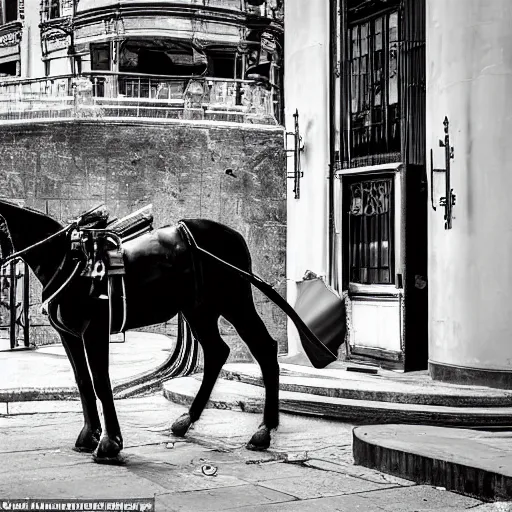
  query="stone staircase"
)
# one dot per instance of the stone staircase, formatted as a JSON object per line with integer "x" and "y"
{"x": 345, "y": 392}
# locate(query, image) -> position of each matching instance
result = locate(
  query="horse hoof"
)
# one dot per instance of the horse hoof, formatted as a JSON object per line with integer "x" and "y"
{"x": 87, "y": 440}
{"x": 181, "y": 425}
{"x": 260, "y": 441}
{"x": 118, "y": 460}
{"x": 108, "y": 450}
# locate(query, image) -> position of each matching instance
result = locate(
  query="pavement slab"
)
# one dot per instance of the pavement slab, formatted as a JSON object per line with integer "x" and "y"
{"x": 418, "y": 498}
{"x": 317, "y": 483}
{"x": 228, "y": 498}
{"x": 346, "y": 503}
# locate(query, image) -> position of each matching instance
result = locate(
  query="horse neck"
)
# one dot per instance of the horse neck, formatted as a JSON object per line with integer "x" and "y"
{"x": 45, "y": 260}
{"x": 27, "y": 228}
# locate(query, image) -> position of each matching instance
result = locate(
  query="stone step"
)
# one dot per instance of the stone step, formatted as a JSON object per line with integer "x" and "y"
{"x": 246, "y": 397}
{"x": 466, "y": 461}
{"x": 386, "y": 386}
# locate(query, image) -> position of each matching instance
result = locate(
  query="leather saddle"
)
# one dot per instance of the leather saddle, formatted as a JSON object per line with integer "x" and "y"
{"x": 96, "y": 254}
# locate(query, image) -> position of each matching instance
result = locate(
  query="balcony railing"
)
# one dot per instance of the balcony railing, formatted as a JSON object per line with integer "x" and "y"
{"x": 121, "y": 95}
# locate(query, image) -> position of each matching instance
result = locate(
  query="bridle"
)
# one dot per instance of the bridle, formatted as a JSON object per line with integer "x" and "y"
{"x": 19, "y": 254}
{"x": 65, "y": 230}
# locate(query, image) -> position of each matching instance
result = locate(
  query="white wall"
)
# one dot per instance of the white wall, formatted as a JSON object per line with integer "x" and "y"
{"x": 307, "y": 89}
{"x": 469, "y": 79}
{"x": 31, "y": 64}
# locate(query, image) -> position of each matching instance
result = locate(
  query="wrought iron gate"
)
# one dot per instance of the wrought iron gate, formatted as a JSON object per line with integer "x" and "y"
{"x": 14, "y": 303}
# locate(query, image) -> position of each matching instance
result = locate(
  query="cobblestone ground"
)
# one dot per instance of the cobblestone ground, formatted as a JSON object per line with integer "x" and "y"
{"x": 309, "y": 466}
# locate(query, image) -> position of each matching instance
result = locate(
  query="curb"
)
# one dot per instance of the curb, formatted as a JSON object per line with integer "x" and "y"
{"x": 424, "y": 468}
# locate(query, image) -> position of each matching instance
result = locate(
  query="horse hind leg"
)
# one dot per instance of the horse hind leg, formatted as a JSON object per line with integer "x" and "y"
{"x": 215, "y": 351}
{"x": 263, "y": 347}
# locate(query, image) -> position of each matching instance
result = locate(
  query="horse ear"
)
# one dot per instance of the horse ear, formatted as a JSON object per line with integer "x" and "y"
{"x": 6, "y": 245}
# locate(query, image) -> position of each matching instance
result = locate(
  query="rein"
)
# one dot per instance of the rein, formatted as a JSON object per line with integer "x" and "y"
{"x": 19, "y": 254}
{"x": 66, "y": 229}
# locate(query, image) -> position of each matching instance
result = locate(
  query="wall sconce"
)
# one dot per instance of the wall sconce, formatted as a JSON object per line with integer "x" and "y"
{"x": 298, "y": 147}
{"x": 448, "y": 200}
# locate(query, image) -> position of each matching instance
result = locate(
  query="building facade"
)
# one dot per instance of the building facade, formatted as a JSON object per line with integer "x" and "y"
{"x": 359, "y": 218}
{"x": 174, "y": 103}
{"x": 397, "y": 193}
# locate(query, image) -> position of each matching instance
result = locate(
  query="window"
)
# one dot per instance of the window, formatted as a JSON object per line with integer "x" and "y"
{"x": 370, "y": 226}
{"x": 9, "y": 68}
{"x": 100, "y": 57}
{"x": 8, "y": 11}
{"x": 374, "y": 106}
{"x": 54, "y": 9}
{"x": 222, "y": 65}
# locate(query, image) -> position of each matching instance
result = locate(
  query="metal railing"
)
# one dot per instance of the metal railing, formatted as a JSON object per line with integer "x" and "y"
{"x": 106, "y": 95}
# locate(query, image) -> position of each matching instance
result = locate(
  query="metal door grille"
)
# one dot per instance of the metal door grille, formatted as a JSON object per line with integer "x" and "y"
{"x": 371, "y": 225}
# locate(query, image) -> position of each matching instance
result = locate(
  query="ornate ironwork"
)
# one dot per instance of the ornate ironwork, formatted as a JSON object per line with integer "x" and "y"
{"x": 448, "y": 200}
{"x": 298, "y": 147}
{"x": 370, "y": 231}
{"x": 370, "y": 197}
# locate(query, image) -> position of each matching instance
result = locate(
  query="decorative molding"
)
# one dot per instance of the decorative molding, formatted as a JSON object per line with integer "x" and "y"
{"x": 54, "y": 35}
{"x": 63, "y": 25}
{"x": 10, "y": 38}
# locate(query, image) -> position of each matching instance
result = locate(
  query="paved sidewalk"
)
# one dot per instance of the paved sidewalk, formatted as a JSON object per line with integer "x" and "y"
{"x": 309, "y": 466}
{"x": 45, "y": 373}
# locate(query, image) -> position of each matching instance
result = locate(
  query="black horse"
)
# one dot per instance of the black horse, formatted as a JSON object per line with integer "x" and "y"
{"x": 164, "y": 276}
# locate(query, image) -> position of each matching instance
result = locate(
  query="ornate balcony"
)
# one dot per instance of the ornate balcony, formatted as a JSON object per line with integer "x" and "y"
{"x": 129, "y": 95}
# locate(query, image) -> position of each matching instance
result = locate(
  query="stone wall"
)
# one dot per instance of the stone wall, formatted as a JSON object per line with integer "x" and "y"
{"x": 66, "y": 168}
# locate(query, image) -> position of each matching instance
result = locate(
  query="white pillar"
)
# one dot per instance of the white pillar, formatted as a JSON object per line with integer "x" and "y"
{"x": 307, "y": 90}
{"x": 469, "y": 79}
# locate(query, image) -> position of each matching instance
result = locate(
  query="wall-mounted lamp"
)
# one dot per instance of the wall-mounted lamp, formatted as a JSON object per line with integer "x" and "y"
{"x": 448, "y": 200}
{"x": 298, "y": 147}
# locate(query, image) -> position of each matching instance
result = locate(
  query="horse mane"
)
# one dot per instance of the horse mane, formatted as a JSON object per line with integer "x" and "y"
{"x": 51, "y": 222}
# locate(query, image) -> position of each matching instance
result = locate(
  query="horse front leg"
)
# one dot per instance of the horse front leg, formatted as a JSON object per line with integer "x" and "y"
{"x": 96, "y": 339}
{"x": 89, "y": 437}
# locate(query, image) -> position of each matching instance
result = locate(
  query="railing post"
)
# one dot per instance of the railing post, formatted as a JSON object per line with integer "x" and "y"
{"x": 26, "y": 306}
{"x": 75, "y": 100}
{"x": 12, "y": 304}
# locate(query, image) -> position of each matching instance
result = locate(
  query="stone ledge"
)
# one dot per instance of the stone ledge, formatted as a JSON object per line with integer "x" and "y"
{"x": 473, "y": 463}
{"x": 245, "y": 397}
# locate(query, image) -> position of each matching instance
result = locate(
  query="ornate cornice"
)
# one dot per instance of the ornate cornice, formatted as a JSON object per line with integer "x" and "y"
{"x": 171, "y": 9}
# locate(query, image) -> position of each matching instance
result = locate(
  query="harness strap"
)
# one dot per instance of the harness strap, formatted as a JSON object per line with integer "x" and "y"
{"x": 197, "y": 267}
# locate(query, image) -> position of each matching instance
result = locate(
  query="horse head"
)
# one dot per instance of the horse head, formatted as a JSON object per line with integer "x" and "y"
{"x": 21, "y": 231}
{"x": 6, "y": 245}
